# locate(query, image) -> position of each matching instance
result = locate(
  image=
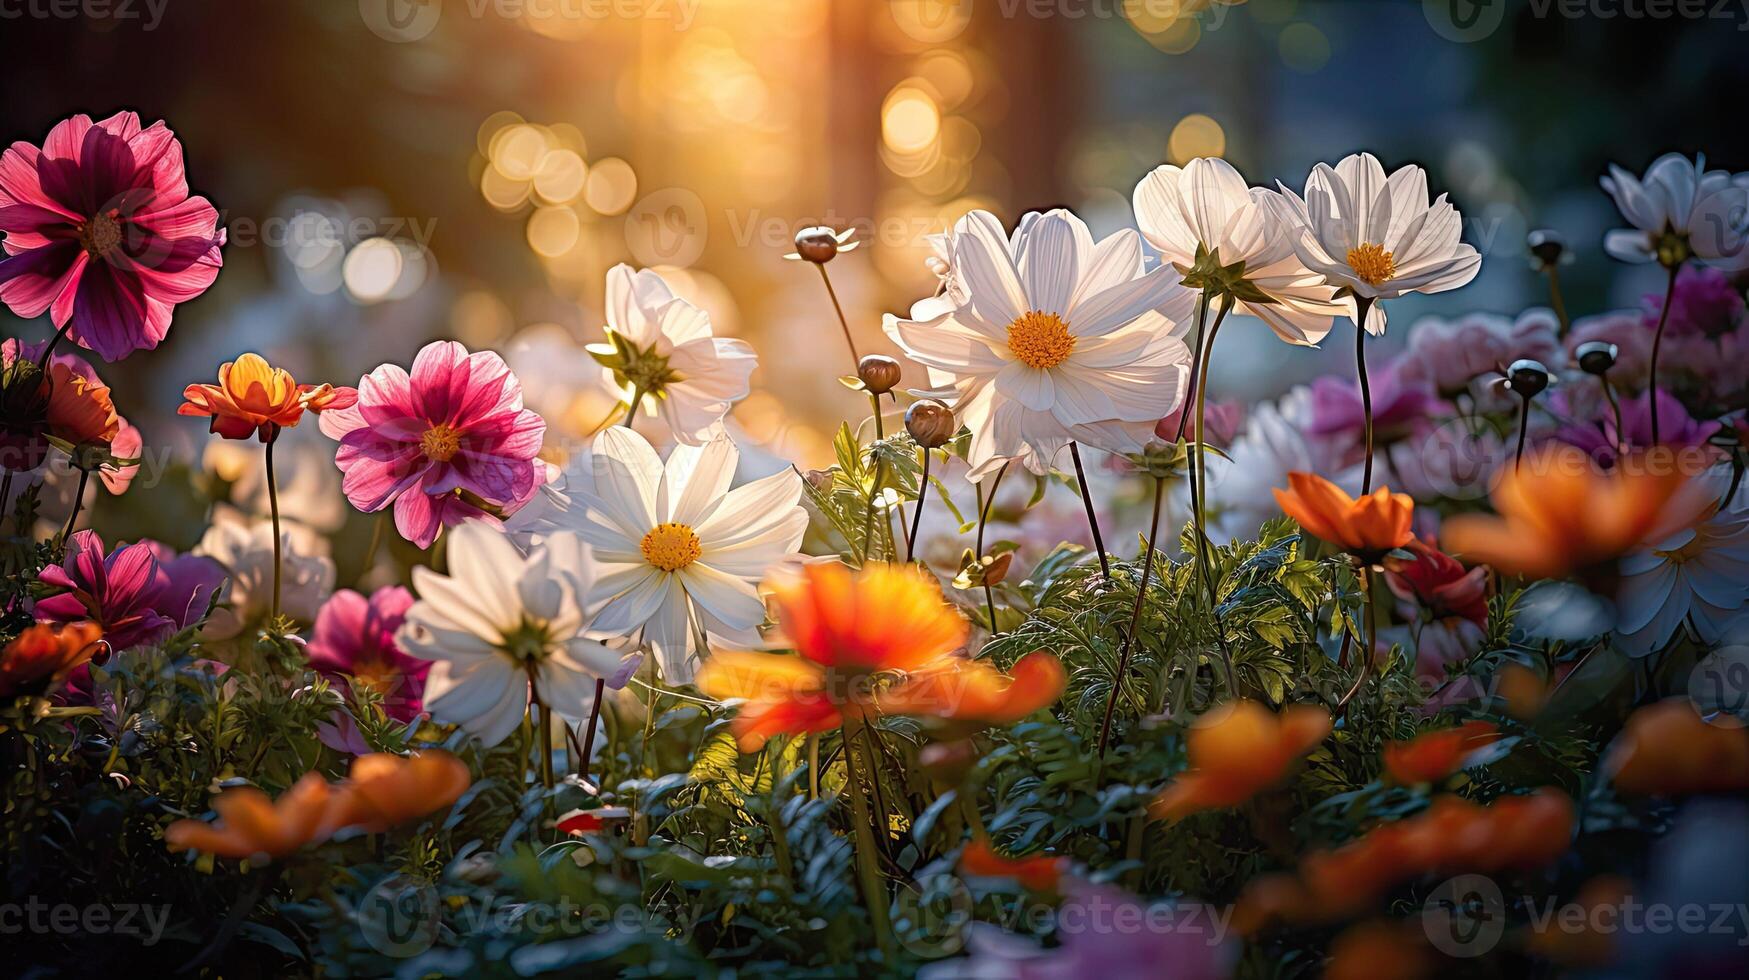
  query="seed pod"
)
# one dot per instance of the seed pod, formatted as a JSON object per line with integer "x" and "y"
{"x": 930, "y": 423}
{"x": 1546, "y": 246}
{"x": 879, "y": 373}
{"x": 818, "y": 244}
{"x": 1597, "y": 357}
{"x": 1527, "y": 377}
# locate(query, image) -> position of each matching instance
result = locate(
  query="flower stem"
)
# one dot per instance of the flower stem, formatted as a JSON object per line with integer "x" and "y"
{"x": 1123, "y": 659}
{"x": 632, "y": 409}
{"x": 1362, "y": 308}
{"x": 78, "y": 499}
{"x": 984, "y": 503}
{"x": 1199, "y": 493}
{"x": 1657, "y": 343}
{"x": 1087, "y": 502}
{"x": 273, "y": 509}
{"x": 855, "y": 358}
{"x": 1367, "y": 642}
{"x": 863, "y": 823}
{"x": 916, "y": 518}
{"x": 1523, "y": 427}
{"x": 1202, "y": 338}
{"x": 42, "y": 363}
{"x": 774, "y": 816}
{"x": 1620, "y": 441}
{"x": 589, "y": 734}
{"x": 1558, "y": 303}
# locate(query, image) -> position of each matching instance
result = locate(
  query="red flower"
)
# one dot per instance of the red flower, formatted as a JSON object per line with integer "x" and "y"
{"x": 1039, "y": 873}
{"x": 1440, "y": 584}
{"x": 102, "y": 234}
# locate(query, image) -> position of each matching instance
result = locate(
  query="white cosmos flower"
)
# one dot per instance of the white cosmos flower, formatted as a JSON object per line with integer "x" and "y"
{"x": 661, "y": 351}
{"x": 678, "y": 550}
{"x": 1057, "y": 339}
{"x": 1224, "y": 236}
{"x": 245, "y": 547}
{"x": 501, "y": 620}
{"x": 1378, "y": 237}
{"x": 1678, "y": 210}
{"x": 1699, "y": 577}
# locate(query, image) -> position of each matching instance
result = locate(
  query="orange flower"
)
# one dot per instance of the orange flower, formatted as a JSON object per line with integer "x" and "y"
{"x": 255, "y": 398}
{"x": 253, "y": 825}
{"x": 1432, "y": 756}
{"x": 1379, "y": 951}
{"x": 1560, "y": 514}
{"x": 1039, "y": 873}
{"x": 385, "y": 790}
{"x": 848, "y": 629}
{"x": 1668, "y": 749}
{"x": 1238, "y": 750}
{"x": 1367, "y": 528}
{"x": 973, "y": 691}
{"x": 80, "y": 411}
{"x": 42, "y": 656}
{"x": 1514, "y": 833}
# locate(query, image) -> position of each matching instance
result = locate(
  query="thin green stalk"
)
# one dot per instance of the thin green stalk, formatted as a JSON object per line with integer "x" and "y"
{"x": 1123, "y": 660}
{"x": 273, "y": 508}
{"x": 855, "y": 358}
{"x": 984, "y": 503}
{"x": 868, "y": 872}
{"x": 79, "y": 498}
{"x": 1362, "y": 307}
{"x": 1087, "y": 502}
{"x": 874, "y": 490}
{"x": 1657, "y": 344}
{"x": 1199, "y": 496}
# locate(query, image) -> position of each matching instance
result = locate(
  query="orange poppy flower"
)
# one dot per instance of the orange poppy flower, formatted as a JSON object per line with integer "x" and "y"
{"x": 1238, "y": 750}
{"x": 1039, "y": 873}
{"x": 1367, "y": 528}
{"x": 256, "y": 398}
{"x": 1432, "y": 756}
{"x": 252, "y": 825}
{"x": 42, "y": 656}
{"x": 1560, "y": 514}
{"x": 850, "y": 627}
{"x": 1668, "y": 749}
{"x": 386, "y": 790}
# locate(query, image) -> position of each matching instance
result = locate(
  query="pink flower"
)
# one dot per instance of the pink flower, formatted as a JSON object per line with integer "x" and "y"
{"x": 139, "y": 593}
{"x": 355, "y": 639}
{"x": 1602, "y": 438}
{"x": 1705, "y": 303}
{"x": 1222, "y": 422}
{"x": 101, "y": 232}
{"x": 448, "y": 443}
{"x": 1451, "y": 354}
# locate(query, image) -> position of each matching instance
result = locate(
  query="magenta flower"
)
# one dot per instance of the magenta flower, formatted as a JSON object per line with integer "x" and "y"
{"x": 1222, "y": 422}
{"x": 101, "y": 232}
{"x": 1705, "y": 302}
{"x": 1602, "y": 438}
{"x": 448, "y": 443}
{"x": 355, "y": 639}
{"x": 139, "y": 593}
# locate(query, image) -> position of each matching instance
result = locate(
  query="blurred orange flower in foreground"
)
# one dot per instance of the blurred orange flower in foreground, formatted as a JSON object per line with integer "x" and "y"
{"x": 1668, "y": 749}
{"x": 1367, "y": 528}
{"x": 256, "y": 398}
{"x": 383, "y": 791}
{"x": 1236, "y": 751}
{"x": 252, "y": 824}
{"x": 1432, "y": 756}
{"x": 1560, "y": 514}
{"x": 1039, "y": 873}
{"x": 846, "y": 628}
{"x": 43, "y": 655}
{"x": 1452, "y": 835}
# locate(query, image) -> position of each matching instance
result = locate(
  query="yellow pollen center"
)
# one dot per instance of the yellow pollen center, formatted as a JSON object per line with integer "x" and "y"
{"x": 670, "y": 547}
{"x": 100, "y": 235}
{"x": 1040, "y": 340}
{"x": 440, "y": 443}
{"x": 1372, "y": 263}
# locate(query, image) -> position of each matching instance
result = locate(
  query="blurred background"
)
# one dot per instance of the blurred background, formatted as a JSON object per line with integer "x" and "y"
{"x": 396, "y": 170}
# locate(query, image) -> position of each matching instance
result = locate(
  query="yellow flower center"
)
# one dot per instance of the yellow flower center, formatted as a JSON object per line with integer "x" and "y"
{"x": 1372, "y": 263}
{"x": 440, "y": 442}
{"x": 1040, "y": 340}
{"x": 671, "y": 547}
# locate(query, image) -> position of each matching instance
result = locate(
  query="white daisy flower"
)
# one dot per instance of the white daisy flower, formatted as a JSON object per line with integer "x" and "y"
{"x": 661, "y": 355}
{"x": 1230, "y": 239}
{"x": 679, "y": 551}
{"x": 1058, "y": 339}
{"x": 1698, "y": 577}
{"x": 501, "y": 622}
{"x": 1678, "y": 211}
{"x": 1377, "y": 237}
{"x": 245, "y": 547}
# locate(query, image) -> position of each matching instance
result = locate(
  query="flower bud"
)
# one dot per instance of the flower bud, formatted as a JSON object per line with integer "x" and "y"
{"x": 879, "y": 373}
{"x": 1546, "y": 246}
{"x": 930, "y": 423}
{"x": 818, "y": 244}
{"x": 1596, "y": 357}
{"x": 1527, "y": 378}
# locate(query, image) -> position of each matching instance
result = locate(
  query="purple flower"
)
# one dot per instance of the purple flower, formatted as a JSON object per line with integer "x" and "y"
{"x": 1450, "y": 354}
{"x": 139, "y": 593}
{"x": 1705, "y": 302}
{"x": 355, "y": 639}
{"x": 1602, "y": 438}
